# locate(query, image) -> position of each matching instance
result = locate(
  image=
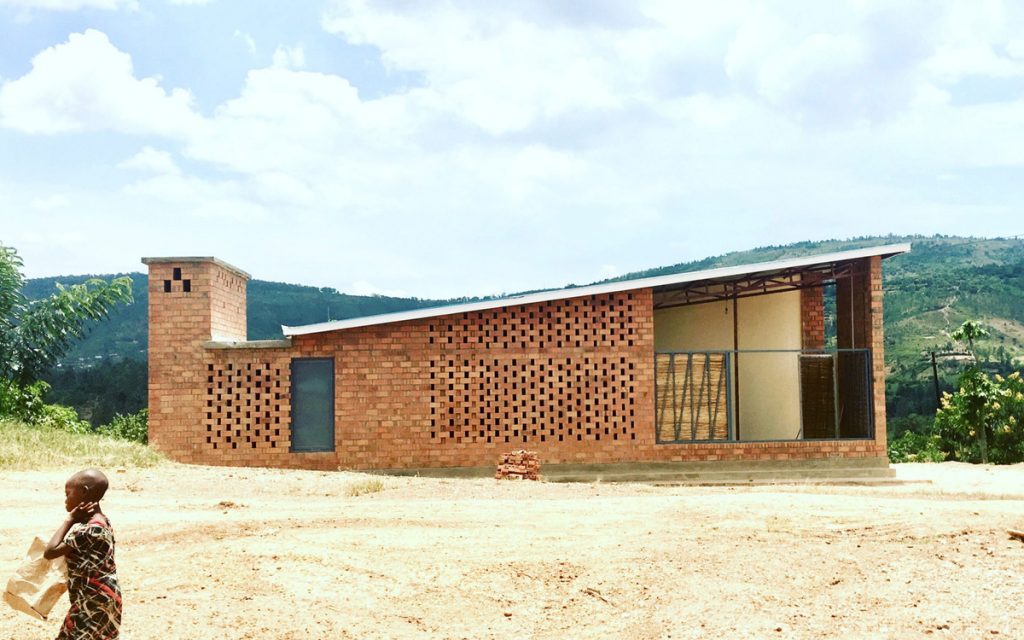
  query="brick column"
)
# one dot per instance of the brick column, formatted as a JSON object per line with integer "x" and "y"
{"x": 191, "y": 301}
{"x": 812, "y": 317}
{"x": 877, "y": 344}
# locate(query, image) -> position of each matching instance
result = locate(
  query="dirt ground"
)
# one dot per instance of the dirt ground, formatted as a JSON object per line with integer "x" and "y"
{"x": 229, "y": 553}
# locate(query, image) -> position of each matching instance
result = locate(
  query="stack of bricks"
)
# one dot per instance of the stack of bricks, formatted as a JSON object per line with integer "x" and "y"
{"x": 518, "y": 465}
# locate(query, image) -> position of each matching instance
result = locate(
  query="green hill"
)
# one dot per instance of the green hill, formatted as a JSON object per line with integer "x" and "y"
{"x": 929, "y": 292}
{"x": 271, "y": 304}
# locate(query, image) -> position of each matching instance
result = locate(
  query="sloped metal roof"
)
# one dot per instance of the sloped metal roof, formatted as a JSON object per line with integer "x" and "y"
{"x": 722, "y": 273}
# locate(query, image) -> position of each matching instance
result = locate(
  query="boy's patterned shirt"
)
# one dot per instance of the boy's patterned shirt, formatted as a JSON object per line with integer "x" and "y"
{"x": 95, "y": 595}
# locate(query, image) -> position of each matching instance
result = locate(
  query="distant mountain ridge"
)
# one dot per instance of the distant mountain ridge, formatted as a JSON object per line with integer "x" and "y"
{"x": 940, "y": 283}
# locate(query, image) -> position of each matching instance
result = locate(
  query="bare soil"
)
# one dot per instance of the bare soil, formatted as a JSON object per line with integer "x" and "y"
{"x": 236, "y": 553}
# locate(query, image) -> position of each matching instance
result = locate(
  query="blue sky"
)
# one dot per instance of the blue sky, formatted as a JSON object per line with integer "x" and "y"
{"x": 465, "y": 147}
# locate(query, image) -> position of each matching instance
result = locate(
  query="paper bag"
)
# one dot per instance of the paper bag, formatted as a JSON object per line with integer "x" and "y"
{"x": 38, "y": 584}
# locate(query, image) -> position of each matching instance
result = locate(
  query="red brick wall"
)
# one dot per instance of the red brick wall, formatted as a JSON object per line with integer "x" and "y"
{"x": 812, "y": 317}
{"x": 227, "y": 305}
{"x": 572, "y": 379}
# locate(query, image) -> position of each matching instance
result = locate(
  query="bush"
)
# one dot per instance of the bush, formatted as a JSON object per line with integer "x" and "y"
{"x": 134, "y": 427}
{"x": 915, "y": 447}
{"x": 1008, "y": 424}
{"x": 984, "y": 419}
{"x": 55, "y": 416}
{"x": 24, "y": 403}
{"x": 31, "y": 447}
{"x": 913, "y": 422}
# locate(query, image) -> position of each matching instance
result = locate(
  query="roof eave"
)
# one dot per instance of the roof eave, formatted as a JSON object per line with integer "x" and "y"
{"x": 884, "y": 251}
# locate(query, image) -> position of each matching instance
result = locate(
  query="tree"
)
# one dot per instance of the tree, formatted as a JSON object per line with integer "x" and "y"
{"x": 975, "y": 386}
{"x": 35, "y": 334}
{"x": 968, "y": 332}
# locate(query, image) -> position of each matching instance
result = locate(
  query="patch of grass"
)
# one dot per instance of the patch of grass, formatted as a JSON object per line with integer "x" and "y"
{"x": 26, "y": 447}
{"x": 370, "y": 485}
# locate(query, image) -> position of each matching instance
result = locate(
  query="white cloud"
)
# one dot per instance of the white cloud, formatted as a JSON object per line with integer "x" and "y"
{"x": 544, "y": 141}
{"x": 151, "y": 160}
{"x": 489, "y": 69}
{"x": 857, "y": 63}
{"x": 289, "y": 57}
{"x": 50, "y": 203}
{"x": 250, "y": 43}
{"x": 584, "y": 142}
{"x": 213, "y": 199}
{"x": 276, "y": 187}
{"x": 87, "y": 84}
{"x": 284, "y": 118}
{"x": 192, "y": 3}
{"x": 71, "y": 5}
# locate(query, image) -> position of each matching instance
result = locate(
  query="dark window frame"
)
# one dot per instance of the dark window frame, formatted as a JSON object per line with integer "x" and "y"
{"x": 291, "y": 438}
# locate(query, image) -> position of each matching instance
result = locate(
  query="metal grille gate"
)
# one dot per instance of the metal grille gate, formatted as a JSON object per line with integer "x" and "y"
{"x": 694, "y": 396}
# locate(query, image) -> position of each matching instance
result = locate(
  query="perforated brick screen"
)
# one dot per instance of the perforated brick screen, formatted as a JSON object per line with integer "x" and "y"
{"x": 522, "y": 400}
{"x": 541, "y": 380}
{"x": 246, "y": 406}
{"x": 577, "y": 323}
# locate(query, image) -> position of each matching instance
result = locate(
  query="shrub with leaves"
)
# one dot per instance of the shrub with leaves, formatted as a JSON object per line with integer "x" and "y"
{"x": 1008, "y": 420}
{"x": 915, "y": 447}
{"x": 22, "y": 402}
{"x": 134, "y": 427}
{"x": 55, "y": 416}
{"x": 25, "y": 403}
{"x": 982, "y": 421}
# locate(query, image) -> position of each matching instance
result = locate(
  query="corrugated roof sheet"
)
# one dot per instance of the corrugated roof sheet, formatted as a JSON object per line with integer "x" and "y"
{"x": 597, "y": 289}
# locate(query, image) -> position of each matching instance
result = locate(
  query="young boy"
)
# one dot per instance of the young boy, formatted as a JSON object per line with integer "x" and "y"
{"x": 86, "y": 539}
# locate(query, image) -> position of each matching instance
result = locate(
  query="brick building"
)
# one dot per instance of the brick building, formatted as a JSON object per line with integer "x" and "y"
{"x": 730, "y": 364}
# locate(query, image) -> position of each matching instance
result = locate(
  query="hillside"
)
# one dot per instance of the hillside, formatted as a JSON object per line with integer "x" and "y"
{"x": 271, "y": 304}
{"x": 929, "y": 292}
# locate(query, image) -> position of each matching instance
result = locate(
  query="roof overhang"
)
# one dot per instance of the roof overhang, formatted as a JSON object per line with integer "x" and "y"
{"x": 781, "y": 270}
{"x": 785, "y": 278}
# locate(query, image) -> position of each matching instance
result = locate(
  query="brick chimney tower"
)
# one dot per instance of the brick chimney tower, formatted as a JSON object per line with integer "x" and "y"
{"x": 191, "y": 301}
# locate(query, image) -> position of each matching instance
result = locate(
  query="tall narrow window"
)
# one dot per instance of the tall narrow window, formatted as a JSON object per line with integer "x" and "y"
{"x": 312, "y": 404}
{"x": 829, "y": 309}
